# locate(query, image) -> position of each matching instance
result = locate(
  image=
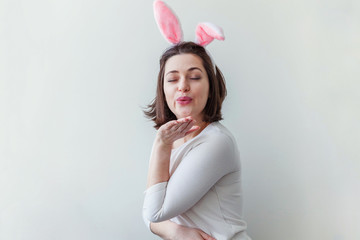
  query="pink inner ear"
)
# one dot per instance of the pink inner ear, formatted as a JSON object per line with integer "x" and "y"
{"x": 167, "y": 22}
{"x": 202, "y": 38}
{"x": 207, "y": 32}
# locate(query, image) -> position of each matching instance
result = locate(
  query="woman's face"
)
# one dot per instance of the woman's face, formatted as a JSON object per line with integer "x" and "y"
{"x": 186, "y": 85}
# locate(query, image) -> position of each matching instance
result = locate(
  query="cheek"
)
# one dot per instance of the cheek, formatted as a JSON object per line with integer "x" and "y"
{"x": 168, "y": 95}
{"x": 167, "y": 92}
{"x": 205, "y": 98}
{"x": 205, "y": 93}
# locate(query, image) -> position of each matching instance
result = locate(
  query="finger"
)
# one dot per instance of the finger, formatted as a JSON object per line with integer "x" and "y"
{"x": 186, "y": 119}
{"x": 185, "y": 126}
{"x": 182, "y": 121}
{"x": 192, "y": 129}
{"x": 175, "y": 125}
{"x": 206, "y": 236}
{"x": 170, "y": 124}
{"x": 188, "y": 127}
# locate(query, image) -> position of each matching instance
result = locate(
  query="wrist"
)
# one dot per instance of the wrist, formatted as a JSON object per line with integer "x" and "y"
{"x": 173, "y": 230}
{"x": 167, "y": 230}
{"x": 176, "y": 230}
{"x": 161, "y": 143}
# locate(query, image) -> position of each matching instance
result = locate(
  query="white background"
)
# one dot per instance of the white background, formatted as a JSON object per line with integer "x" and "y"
{"x": 74, "y": 145}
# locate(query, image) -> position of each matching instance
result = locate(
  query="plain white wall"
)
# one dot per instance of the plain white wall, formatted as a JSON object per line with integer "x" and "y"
{"x": 74, "y": 145}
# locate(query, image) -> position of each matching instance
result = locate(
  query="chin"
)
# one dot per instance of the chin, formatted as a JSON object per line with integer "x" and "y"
{"x": 181, "y": 116}
{"x": 185, "y": 114}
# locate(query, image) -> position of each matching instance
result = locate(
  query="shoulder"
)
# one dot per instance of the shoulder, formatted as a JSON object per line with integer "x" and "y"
{"x": 218, "y": 133}
{"x": 217, "y": 137}
{"x": 218, "y": 146}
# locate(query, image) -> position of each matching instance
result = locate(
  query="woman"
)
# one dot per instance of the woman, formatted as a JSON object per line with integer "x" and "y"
{"x": 194, "y": 185}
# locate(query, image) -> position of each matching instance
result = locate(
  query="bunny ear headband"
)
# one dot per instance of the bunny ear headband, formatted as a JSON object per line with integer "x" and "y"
{"x": 170, "y": 28}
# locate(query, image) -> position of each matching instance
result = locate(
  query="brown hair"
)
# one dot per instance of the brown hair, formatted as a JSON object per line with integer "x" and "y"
{"x": 158, "y": 110}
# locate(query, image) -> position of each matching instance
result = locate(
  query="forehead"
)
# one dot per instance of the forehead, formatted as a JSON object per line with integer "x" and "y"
{"x": 183, "y": 62}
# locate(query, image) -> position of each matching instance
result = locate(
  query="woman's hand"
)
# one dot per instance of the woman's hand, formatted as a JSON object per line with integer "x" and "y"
{"x": 186, "y": 233}
{"x": 176, "y": 129}
{"x": 171, "y": 231}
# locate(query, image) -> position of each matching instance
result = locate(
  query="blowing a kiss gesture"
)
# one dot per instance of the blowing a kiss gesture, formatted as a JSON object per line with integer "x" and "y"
{"x": 176, "y": 129}
{"x": 166, "y": 135}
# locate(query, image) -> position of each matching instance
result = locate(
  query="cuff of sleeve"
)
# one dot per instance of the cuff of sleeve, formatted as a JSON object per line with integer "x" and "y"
{"x": 155, "y": 188}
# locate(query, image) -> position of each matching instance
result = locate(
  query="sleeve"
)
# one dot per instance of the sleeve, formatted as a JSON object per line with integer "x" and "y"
{"x": 198, "y": 171}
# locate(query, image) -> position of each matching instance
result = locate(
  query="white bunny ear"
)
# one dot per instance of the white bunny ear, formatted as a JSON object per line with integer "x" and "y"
{"x": 167, "y": 22}
{"x": 206, "y": 32}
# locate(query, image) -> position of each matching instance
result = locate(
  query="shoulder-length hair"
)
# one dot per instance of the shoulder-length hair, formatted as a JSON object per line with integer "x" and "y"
{"x": 159, "y": 111}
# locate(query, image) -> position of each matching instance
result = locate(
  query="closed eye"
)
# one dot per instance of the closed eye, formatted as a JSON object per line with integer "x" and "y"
{"x": 195, "y": 78}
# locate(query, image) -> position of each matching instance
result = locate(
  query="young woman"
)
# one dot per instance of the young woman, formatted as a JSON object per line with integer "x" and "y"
{"x": 194, "y": 179}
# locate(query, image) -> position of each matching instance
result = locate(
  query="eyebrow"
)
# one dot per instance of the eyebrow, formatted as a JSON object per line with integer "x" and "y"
{"x": 189, "y": 70}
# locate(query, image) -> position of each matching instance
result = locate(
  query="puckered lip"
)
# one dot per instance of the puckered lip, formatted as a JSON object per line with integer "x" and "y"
{"x": 184, "y": 98}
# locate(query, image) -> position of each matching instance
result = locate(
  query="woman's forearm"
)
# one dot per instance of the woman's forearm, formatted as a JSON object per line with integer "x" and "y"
{"x": 165, "y": 137}
{"x": 159, "y": 163}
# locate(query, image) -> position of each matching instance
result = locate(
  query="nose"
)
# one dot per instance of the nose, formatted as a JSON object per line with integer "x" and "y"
{"x": 183, "y": 86}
